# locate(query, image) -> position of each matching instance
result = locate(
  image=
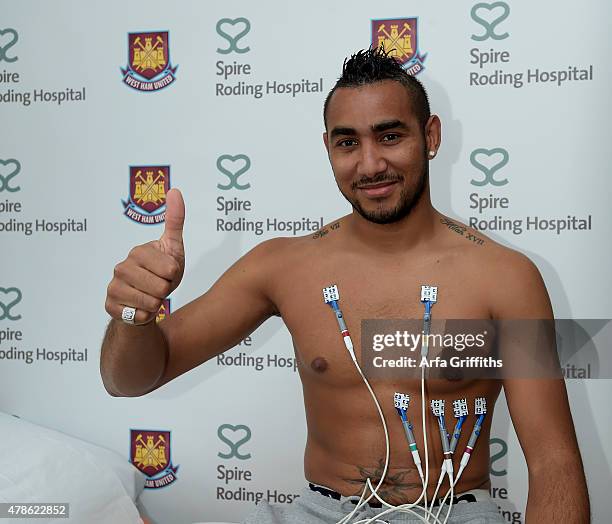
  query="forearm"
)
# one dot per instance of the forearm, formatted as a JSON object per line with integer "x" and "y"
{"x": 558, "y": 493}
{"x": 132, "y": 359}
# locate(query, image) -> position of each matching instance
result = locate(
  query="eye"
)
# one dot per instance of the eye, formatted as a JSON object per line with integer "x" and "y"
{"x": 390, "y": 137}
{"x": 347, "y": 142}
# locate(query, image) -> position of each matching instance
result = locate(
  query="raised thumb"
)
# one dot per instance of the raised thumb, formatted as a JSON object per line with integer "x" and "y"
{"x": 175, "y": 216}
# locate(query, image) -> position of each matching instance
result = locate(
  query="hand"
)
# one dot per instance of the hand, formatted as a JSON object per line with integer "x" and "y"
{"x": 151, "y": 271}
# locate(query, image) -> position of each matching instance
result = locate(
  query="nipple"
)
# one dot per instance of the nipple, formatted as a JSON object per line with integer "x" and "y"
{"x": 319, "y": 364}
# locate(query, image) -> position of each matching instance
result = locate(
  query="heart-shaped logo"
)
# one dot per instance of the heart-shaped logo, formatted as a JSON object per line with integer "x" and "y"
{"x": 233, "y": 167}
{"x": 238, "y": 28}
{"x": 9, "y": 169}
{"x": 6, "y": 42}
{"x": 5, "y": 306}
{"x": 495, "y": 13}
{"x": 494, "y": 160}
{"x": 233, "y": 441}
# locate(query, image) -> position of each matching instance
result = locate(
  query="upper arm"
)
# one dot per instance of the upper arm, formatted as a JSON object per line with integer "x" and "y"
{"x": 228, "y": 312}
{"x": 538, "y": 406}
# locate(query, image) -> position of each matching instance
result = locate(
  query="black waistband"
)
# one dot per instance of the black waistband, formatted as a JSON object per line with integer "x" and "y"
{"x": 326, "y": 492}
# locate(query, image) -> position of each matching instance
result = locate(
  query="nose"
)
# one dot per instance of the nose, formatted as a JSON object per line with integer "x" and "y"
{"x": 371, "y": 161}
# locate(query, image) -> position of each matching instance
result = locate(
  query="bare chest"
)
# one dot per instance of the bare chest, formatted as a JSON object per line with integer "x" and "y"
{"x": 367, "y": 292}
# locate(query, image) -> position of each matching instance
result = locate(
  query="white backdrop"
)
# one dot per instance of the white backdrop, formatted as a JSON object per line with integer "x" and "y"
{"x": 531, "y": 135}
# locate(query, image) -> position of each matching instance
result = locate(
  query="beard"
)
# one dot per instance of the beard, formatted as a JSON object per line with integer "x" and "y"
{"x": 409, "y": 197}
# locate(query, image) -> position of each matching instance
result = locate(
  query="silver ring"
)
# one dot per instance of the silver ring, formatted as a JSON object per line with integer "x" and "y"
{"x": 128, "y": 314}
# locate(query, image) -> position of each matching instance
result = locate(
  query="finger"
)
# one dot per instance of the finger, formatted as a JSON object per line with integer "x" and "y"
{"x": 115, "y": 309}
{"x": 175, "y": 216}
{"x": 119, "y": 292}
{"x": 149, "y": 257}
{"x": 149, "y": 283}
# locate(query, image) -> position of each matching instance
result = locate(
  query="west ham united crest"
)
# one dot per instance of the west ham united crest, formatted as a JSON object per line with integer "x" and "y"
{"x": 149, "y": 185}
{"x": 150, "y": 453}
{"x": 399, "y": 38}
{"x": 148, "y": 66}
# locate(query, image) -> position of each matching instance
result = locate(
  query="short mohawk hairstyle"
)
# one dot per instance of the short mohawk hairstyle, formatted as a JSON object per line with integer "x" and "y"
{"x": 372, "y": 65}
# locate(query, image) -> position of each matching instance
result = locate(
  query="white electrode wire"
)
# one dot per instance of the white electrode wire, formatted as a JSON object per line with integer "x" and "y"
{"x": 440, "y": 480}
{"x": 450, "y": 492}
{"x": 361, "y": 502}
{"x": 450, "y": 506}
{"x": 407, "y": 508}
{"x": 443, "y": 473}
{"x": 423, "y": 416}
{"x": 404, "y": 507}
{"x": 461, "y": 468}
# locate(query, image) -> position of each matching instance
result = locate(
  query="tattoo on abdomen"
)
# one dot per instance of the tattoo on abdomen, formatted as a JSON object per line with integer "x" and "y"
{"x": 396, "y": 485}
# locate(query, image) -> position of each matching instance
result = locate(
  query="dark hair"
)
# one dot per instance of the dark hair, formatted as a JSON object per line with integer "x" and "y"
{"x": 372, "y": 65}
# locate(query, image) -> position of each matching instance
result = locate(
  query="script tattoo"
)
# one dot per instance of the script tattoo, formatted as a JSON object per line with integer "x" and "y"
{"x": 398, "y": 482}
{"x": 462, "y": 230}
{"x": 322, "y": 232}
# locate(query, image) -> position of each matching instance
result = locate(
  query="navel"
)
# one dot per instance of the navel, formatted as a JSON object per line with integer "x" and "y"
{"x": 319, "y": 364}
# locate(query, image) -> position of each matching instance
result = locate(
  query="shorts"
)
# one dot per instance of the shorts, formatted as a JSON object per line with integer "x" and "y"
{"x": 312, "y": 507}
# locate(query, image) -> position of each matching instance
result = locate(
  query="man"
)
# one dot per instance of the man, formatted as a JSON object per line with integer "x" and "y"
{"x": 380, "y": 137}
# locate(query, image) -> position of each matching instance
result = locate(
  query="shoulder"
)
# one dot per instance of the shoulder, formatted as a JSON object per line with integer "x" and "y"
{"x": 276, "y": 261}
{"x": 328, "y": 231}
{"x": 281, "y": 251}
{"x": 510, "y": 280}
{"x": 494, "y": 258}
{"x": 266, "y": 256}
{"x": 517, "y": 287}
{"x": 301, "y": 247}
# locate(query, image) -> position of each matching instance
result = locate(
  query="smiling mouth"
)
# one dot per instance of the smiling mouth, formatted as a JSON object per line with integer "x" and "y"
{"x": 381, "y": 189}
{"x": 380, "y": 184}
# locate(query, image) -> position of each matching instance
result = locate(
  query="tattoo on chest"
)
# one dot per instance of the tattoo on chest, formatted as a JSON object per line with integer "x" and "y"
{"x": 395, "y": 486}
{"x": 324, "y": 231}
{"x": 462, "y": 230}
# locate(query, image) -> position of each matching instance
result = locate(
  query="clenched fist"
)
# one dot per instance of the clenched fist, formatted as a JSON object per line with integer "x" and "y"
{"x": 151, "y": 271}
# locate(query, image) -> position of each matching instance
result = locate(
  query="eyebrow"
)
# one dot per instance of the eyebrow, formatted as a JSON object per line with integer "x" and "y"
{"x": 389, "y": 124}
{"x": 340, "y": 131}
{"x": 376, "y": 128}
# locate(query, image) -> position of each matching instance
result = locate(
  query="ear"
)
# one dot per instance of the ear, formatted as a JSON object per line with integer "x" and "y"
{"x": 326, "y": 142}
{"x": 433, "y": 134}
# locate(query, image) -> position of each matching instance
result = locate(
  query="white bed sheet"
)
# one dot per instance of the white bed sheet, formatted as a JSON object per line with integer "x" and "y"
{"x": 42, "y": 465}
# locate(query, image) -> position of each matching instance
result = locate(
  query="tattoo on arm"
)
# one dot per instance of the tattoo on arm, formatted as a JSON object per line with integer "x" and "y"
{"x": 462, "y": 230}
{"x": 325, "y": 230}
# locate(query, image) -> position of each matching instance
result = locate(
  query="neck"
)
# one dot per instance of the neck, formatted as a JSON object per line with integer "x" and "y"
{"x": 409, "y": 233}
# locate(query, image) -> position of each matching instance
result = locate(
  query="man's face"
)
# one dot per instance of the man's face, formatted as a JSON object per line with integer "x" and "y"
{"x": 377, "y": 150}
